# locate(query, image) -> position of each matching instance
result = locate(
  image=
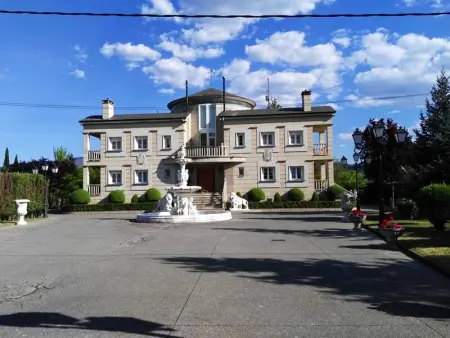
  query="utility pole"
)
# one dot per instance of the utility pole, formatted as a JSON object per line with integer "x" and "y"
{"x": 212, "y": 72}
{"x": 268, "y": 93}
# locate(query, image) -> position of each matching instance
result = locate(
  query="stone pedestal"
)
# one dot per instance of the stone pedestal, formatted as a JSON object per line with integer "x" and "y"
{"x": 22, "y": 211}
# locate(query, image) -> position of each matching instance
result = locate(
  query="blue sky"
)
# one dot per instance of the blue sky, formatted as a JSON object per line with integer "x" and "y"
{"x": 81, "y": 60}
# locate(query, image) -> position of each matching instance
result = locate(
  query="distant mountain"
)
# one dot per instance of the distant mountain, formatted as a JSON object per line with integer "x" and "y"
{"x": 78, "y": 161}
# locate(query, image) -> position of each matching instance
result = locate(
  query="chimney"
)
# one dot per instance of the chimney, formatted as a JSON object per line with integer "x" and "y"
{"x": 306, "y": 100}
{"x": 108, "y": 109}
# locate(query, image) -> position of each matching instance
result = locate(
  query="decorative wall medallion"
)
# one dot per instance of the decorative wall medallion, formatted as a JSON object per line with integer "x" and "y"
{"x": 141, "y": 159}
{"x": 267, "y": 155}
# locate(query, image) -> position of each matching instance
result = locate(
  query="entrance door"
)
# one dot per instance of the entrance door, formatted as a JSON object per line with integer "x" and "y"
{"x": 205, "y": 178}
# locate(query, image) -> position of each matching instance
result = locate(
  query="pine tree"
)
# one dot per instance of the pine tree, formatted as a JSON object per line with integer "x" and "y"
{"x": 274, "y": 104}
{"x": 5, "y": 167}
{"x": 432, "y": 136}
{"x": 16, "y": 166}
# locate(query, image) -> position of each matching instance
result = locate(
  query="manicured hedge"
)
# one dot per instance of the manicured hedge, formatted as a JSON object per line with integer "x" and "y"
{"x": 256, "y": 195}
{"x": 295, "y": 195}
{"x": 153, "y": 195}
{"x": 116, "y": 197}
{"x": 109, "y": 207}
{"x": 294, "y": 205}
{"x": 79, "y": 196}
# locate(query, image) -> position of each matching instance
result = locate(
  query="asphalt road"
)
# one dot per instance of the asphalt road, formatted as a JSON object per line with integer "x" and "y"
{"x": 259, "y": 275}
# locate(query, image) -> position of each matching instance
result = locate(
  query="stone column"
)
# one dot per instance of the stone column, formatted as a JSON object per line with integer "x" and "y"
{"x": 86, "y": 178}
{"x": 323, "y": 171}
{"x": 87, "y": 147}
{"x": 330, "y": 173}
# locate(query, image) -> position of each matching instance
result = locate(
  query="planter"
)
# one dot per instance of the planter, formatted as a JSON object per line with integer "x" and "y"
{"x": 22, "y": 211}
{"x": 391, "y": 235}
{"x": 357, "y": 221}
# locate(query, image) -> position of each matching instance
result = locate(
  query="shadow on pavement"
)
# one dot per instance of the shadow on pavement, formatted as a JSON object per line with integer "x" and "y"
{"x": 396, "y": 287}
{"x": 108, "y": 324}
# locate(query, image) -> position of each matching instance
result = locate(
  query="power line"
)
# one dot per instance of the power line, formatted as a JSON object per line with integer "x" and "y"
{"x": 137, "y": 108}
{"x": 230, "y": 16}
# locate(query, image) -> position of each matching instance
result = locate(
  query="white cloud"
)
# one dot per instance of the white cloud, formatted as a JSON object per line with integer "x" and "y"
{"x": 432, "y": 3}
{"x": 130, "y": 52}
{"x": 80, "y": 53}
{"x": 344, "y": 41}
{"x": 399, "y": 64}
{"x": 78, "y": 73}
{"x": 345, "y": 136}
{"x": 175, "y": 72}
{"x": 166, "y": 91}
{"x": 162, "y": 7}
{"x": 237, "y": 67}
{"x": 393, "y": 112}
{"x": 367, "y": 101}
{"x": 187, "y": 53}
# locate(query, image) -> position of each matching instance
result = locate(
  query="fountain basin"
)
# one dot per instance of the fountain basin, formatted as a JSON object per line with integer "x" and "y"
{"x": 202, "y": 216}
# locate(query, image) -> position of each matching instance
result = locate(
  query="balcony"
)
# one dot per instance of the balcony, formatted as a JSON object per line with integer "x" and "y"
{"x": 320, "y": 185}
{"x": 94, "y": 156}
{"x": 94, "y": 189}
{"x": 207, "y": 152}
{"x": 321, "y": 149}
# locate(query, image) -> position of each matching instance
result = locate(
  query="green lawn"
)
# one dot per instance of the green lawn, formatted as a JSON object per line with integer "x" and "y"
{"x": 28, "y": 220}
{"x": 421, "y": 238}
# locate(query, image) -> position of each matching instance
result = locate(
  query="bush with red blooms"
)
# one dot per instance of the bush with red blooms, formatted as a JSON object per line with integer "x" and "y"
{"x": 390, "y": 223}
{"x": 357, "y": 213}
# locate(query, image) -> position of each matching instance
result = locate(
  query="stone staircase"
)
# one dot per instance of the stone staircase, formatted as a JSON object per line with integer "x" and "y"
{"x": 208, "y": 200}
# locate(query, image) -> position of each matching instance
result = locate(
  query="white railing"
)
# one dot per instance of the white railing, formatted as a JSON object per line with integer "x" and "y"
{"x": 94, "y": 189}
{"x": 321, "y": 149}
{"x": 321, "y": 185}
{"x": 94, "y": 156}
{"x": 198, "y": 152}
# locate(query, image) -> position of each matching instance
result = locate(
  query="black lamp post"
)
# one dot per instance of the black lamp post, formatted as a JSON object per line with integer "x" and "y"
{"x": 344, "y": 160}
{"x": 45, "y": 168}
{"x": 379, "y": 131}
{"x": 357, "y": 138}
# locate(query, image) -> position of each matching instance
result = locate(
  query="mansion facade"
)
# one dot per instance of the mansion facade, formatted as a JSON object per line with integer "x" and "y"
{"x": 233, "y": 146}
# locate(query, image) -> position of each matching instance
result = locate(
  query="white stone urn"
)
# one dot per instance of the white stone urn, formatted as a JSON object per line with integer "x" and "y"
{"x": 22, "y": 211}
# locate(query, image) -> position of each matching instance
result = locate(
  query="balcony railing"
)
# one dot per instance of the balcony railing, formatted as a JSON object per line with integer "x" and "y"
{"x": 94, "y": 189}
{"x": 94, "y": 156}
{"x": 205, "y": 152}
{"x": 321, "y": 149}
{"x": 320, "y": 185}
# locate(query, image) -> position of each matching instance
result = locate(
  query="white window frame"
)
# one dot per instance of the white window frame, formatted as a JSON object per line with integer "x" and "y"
{"x": 208, "y": 129}
{"x": 115, "y": 140}
{"x": 142, "y": 139}
{"x": 137, "y": 177}
{"x": 267, "y": 170}
{"x": 296, "y": 173}
{"x": 112, "y": 176}
{"x": 296, "y": 134}
{"x": 166, "y": 138}
{"x": 238, "y": 135}
{"x": 268, "y": 134}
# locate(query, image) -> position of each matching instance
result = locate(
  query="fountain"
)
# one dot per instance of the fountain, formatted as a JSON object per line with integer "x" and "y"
{"x": 177, "y": 206}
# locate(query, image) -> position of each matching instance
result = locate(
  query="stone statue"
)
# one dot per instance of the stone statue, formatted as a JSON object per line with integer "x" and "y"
{"x": 347, "y": 199}
{"x": 237, "y": 203}
{"x": 182, "y": 152}
{"x": 165, "y": 204}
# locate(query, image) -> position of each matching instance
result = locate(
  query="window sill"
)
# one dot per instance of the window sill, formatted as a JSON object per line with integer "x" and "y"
{"x": 296, "y": 181}
{"x": 114, "y": 185}
{"x": 113, "y": 151}
{"x": 269, "y": 181}
{"x": 295, "y": 145}
{"x": 139, "y": 150}
{"x": 267, "y": 146}
{"x": 140, "y": 184}
{"x": 239, "y": 147}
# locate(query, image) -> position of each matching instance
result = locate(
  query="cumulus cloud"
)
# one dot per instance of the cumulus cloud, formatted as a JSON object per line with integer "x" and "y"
{"x": 166, "y": 91}
{"x": 130, "y": 52}
{"x": 432, "y": 3}
{"x": 345, "y": 136}
{"x": 186, "y": 53}
{"x": 174, "y": 72}
{"x": 78, "y": 73}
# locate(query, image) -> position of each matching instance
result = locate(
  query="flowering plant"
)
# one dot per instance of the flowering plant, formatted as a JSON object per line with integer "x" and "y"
{"x": 390, "y": 223}
{"x": 357, "y": 213}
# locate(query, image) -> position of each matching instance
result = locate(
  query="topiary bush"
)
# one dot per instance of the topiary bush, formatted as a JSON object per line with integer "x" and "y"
{"x": 238, "y": 194}
{"x": 315, "y": 197}
{"x": 277, "y": 197}
{"x": 434, "y": 202}
{"x": 135, "y": 199}
{"x": 256, "y": 195}
{"x": 116, "y": 197}
{"x": 334, "y": 192}
{"x": 295, "y": 195}
{"x": 153, "y": 195}
{"x": 406, "y": 208}
{"x": 79, "y": 196}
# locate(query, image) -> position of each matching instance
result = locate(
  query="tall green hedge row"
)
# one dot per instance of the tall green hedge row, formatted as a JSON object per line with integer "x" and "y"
{"x": 15, "y": 186}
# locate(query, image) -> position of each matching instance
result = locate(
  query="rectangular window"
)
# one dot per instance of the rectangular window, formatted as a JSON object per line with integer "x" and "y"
{"x": 167, "y": 142}
{"x": 240, "y": 140}
{"x": 115, "y": 177}
{"x": 203, "y": 122}
{"x": 267, "y": 139}
{"x": 268, "y": 174}
{"x": 212, "y": 139}
{"x": 203, "y": 140}
{"x": 296, "y": 173}
{"x": 241, "y": 171}
{"x": 115, "y": 144}
{"x": 141, "y": 177}
{"x": 296, "y": 138}
{"x": 212, "y": 116}
{"x": 141, "y": 143}
{"x": 166, "y": 174}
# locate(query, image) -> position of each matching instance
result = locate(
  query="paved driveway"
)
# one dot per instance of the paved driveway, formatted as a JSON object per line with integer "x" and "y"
{"x": 259, "y": 275}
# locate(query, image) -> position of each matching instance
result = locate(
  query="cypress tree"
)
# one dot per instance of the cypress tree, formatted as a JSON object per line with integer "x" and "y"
{"x": 6, "y": 165}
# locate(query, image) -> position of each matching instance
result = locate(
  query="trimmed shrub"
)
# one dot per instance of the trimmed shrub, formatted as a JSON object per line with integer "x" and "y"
{"x": 293, "y": 205}
{"x": 434, "y": 202}
{"x": 315, "y": 197}
{"x": 256, "y": 195}
{"x": 109, "y": 207}
{"x": 153, "y": 195}
{"x": 79, "y": 196}
{"x": 238, "y": 194}
{"x": 135, "y": 199}
{"x": 334, "y": 192}
{"x": 277, "y": 197}
{"x": 406, "y": 208}
{"x": 116, "y": 197}
{"x": 295, "y": 195}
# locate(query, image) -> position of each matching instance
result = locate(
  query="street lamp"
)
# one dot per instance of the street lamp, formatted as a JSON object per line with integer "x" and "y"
{"x": 45, "y": 168}
{"x": 344, "y": 160}
{"x": 356, "y": 158}
{"x": 368, "y": 159}
{"x": 55, "y": 170}
{"x": 379, "y": 131}
{"x": 35, "y": 170}
{"x": 357, "y": 138}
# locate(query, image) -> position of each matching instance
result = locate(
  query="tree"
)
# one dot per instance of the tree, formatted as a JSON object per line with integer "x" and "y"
{"x": 347, "y": 180}
{"x": 61, "y": 154}
{"x": 432, "y": 148}
{"x": 274, "y": 104}
{"x": 16, "y": 166}
{"x": 6, "y": 165}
